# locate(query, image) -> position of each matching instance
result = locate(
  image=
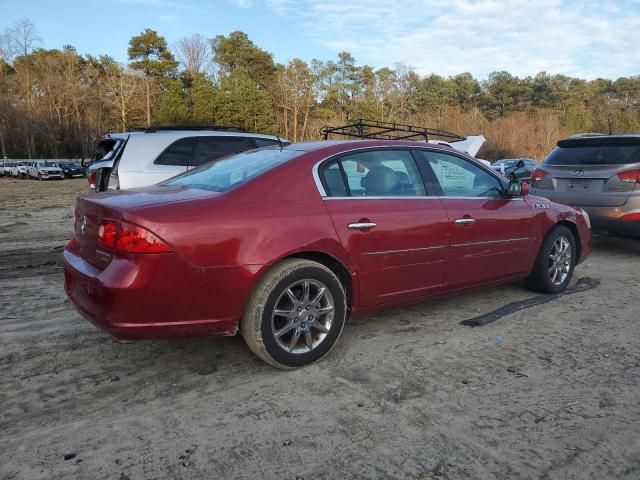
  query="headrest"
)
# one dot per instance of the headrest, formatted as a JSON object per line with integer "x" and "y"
{"x": 379, "y": 180}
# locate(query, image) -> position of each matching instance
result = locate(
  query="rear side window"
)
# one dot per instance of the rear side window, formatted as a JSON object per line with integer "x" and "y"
{"x": 210, "y": 148}
{"x": 595, "y": 151}
{"x": 178, "y": 153}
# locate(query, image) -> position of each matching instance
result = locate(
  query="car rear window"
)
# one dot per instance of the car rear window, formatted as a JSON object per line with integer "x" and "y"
{"x": 595, "y": 151}
{"x": 210, "y": 148}
{"x": 235, "y": 170}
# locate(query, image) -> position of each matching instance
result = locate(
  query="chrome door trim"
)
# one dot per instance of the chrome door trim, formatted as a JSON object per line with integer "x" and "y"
{"x": 406, "y": 250}
{"x": 464, "y": 221}
{"x": 489, "y": 242}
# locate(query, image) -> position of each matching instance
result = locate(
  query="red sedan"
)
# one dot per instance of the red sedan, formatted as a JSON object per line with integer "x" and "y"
{"x": 284, "y": 243}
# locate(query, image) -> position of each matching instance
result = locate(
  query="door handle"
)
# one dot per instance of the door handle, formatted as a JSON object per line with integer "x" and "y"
{"x": 361, "y": 225}
{"x": 464, "y": 221}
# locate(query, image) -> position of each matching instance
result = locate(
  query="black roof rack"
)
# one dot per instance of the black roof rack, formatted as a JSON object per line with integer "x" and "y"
{"x": 159, "y": 128}
{"x": 370, "y": 129}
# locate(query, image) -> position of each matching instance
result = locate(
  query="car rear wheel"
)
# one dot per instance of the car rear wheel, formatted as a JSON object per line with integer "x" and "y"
{"x": 554, "y": 266}
{"x": 295, "y": 314}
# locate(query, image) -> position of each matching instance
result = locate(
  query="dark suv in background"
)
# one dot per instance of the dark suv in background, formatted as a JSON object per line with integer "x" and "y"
{"x": 598, "y": 173}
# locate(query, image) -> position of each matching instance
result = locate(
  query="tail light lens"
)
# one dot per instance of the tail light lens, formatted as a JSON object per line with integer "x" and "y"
{"x": 634, "y": 217}
{"x": 632, "y": 176}
{"x": 108, "y": 234}
{"x": 126, "y": 237}
{"x": 538, "y": 175}
{"x": 92, "y": 179}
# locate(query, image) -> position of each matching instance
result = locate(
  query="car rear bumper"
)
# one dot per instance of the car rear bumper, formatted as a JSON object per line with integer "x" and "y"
{"x": 156, "y": 296}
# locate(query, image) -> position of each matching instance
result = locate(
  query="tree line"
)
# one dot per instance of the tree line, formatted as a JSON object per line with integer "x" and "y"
{"x": 56, "y": 103}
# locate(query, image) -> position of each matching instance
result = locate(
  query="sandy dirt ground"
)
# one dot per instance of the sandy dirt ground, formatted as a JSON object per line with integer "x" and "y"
{"x": 548, "y": 392}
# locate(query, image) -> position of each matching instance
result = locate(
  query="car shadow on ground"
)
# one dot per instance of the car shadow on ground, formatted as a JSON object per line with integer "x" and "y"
{"x": 616, "y": 245}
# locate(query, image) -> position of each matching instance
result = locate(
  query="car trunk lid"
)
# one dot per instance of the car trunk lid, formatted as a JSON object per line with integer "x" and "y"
{"x": 93, "y": 209}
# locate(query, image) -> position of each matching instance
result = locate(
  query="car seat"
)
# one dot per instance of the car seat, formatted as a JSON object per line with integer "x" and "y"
{"x": 379, "y": 180}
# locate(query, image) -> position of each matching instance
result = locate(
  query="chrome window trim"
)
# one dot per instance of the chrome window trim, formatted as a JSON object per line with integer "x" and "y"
{"x": 424, "y": 197}
{"x": 315, "y": 170}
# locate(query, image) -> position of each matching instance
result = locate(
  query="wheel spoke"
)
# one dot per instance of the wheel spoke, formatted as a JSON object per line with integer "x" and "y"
{"x": 319, "y": 326}
{"x": 284, "y": 313}
{"x": 325, "y": 310}
{"x": 305, "y": 291}
{"x": 308, "y": 339}
{"x": 287, "y": 328}
{"x": 319, "y": 296}
{"x": 294, "y": 339}
{"x": 292, "y": 297}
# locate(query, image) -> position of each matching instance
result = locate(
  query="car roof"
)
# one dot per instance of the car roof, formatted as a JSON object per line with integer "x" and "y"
{"x": 353, "y": 144}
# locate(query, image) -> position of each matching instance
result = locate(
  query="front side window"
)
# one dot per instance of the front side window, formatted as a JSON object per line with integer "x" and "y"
{"x": 375, "y": 173}
{"x": 178, "y": 153}
{"x": 210, "y": 148}
{"x": 460, "y": 178}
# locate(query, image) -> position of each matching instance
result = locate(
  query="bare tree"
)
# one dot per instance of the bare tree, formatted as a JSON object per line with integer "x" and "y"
{"x": 193, "y": 53}
{"x": 7, "y": 50}
{"x": 23, "y": 36}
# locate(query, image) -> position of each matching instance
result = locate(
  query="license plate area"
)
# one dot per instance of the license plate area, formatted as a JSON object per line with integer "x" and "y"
{"x": 579, "y": 185}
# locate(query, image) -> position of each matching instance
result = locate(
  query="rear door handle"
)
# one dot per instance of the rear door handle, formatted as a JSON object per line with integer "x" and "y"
{"x": 361, "y": 225}
{"x": 464, "y": 221}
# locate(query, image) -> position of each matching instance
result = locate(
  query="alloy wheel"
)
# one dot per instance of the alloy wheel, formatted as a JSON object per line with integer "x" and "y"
{"x": 560, "y": 260}
{"x": 302, "y": 316}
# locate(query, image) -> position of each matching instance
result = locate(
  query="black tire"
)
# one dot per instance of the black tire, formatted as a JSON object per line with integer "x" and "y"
{"x": 540, "y": 279}
{"x": 258, "y": 323}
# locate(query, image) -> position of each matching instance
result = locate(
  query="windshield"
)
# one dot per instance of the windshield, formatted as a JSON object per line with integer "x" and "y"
{"x": 224, "y": 174}
{"x": 49, "y": 164}
{"x": 595, "y": 152}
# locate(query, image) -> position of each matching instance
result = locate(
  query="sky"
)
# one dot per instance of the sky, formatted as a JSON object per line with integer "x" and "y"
{"x": 588, "y": 39}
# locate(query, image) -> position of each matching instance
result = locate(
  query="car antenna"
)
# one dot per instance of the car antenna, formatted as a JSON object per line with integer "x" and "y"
{"x": 609, "y": 122}
{"x": 279, "y": 142}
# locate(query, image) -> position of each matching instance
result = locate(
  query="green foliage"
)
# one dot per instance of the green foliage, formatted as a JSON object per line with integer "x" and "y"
{"x": 237, "y": 51}
{"x": 148, "y": 52}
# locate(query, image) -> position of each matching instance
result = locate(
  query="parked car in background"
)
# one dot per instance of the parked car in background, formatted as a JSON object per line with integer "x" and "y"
{"x": 71, "y": 169}
{"x": 516, "y": 168}
{"x": 283, "y": 243}
{"x": 20, "y": 170}
{"x": 138, "y": 159}
{"x": 5, "y": 168}
{"x": 598, "y": 173}
{"x": 44, "y": 170}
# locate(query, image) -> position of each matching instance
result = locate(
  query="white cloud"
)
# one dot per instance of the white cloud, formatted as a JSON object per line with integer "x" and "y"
{"x": 583, "y": 38}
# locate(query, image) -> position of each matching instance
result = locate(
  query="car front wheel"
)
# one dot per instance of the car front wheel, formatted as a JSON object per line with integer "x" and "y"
{"x": 295, "y": 314}
{"x": 556, "y": 260}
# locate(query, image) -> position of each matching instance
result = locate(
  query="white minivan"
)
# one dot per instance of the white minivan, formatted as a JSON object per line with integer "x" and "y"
{"x": 137, "y": 159}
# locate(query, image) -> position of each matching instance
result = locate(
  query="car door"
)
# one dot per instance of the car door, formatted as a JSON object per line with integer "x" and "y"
{"x": 395, "y": 234}
{"x": 492, "y": 235}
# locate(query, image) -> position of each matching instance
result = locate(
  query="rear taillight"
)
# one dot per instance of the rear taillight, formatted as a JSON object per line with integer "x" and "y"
{"x": 631, "y": 176}
{"x": 108, "y": 234}
{"x": 92, "y": 179}
{"x": 135, "y": 239}
{"x": 634, "y": 217}
{"x": 126, "y": 237}
{"x": 538, "y": 175}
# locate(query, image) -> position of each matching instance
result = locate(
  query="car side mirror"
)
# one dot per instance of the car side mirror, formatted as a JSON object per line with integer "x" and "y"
{"x": 518, "y": 189}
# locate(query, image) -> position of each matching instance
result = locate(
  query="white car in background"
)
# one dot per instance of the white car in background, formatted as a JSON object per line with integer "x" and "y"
{"x": 44, "y": 170}
{"x": 5, "y": 168}
{"x": 19, "y": 169}
{"x": 138, "y": 159}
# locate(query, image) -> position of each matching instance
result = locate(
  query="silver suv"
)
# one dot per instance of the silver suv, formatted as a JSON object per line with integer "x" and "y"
{"x": 137, "y": 159}
{"x": 598, "y": 173}
{"x": 44, "y": 169}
